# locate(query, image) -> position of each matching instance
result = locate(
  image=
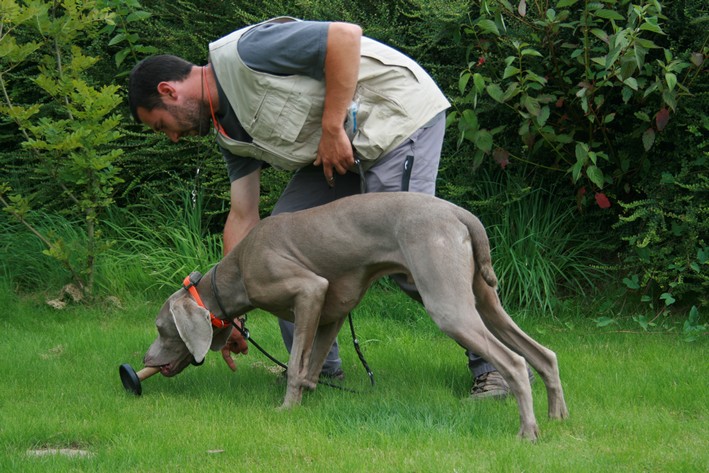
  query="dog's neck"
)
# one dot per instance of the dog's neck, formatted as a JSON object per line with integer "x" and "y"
{"x": 230, "y": 299}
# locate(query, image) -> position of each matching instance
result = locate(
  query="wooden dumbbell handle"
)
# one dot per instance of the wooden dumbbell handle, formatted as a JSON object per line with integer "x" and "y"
{"x": 147, "y": 372}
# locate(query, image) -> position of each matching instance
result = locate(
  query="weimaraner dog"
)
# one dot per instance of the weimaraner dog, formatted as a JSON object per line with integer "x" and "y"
{"x": 313, "y": 267}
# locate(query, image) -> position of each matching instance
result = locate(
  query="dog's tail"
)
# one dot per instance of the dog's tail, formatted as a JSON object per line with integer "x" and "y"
{"x": 481, "y": 246}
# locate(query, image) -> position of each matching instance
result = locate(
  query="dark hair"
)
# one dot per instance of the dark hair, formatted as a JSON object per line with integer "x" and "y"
{"x": 147, "y": 74}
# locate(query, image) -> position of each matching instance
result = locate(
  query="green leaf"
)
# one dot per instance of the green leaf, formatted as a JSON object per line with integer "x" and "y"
{"x": 604, "y": 321}
{"x": 628, "y": 65}
{"x": 609, "y": 15}
{"x": 632, "y": 282}
{"x": 536, "y": 77}
{"x": 581, "y": 152}
{"x": 667, "y": 297}
{"x": 651, "y": 26}
{"x": 648, "y": 139}
{"x": 693, "y": 317}
{"x": 463, "y": 82}
{"x": 488, "y": 26}
{"x": 600, "y": 34}
{"x": 646, "y": 43}
{"x": 543, "y": 115}
{"x": 531, "y": 52}
{"x": 576, "y": 170}
{"x": 510, "y": 71}
{"x": 531, "y": 104}
{"x": 642, "y": 321}
{"x": 566, "y": 3}
{"x": 478, "y": 159}
{"x": 479, "y": 81}
{"x": 671, "y": 80}
{"x": 469, "y": 121}
{"x": 138, "y": 16}
{"x": 495, "y": 92}
{"x": 117, "y": 39}
{"x": 595, "y": 175}
{"x": 564, "y": 138}
{"x": 483, "y": 140}
{"x": 669, "y": 99}
{"x": 121, "y": 55}
{"x": 631, "y": 82}
{"x": 642, "y": 116}
{"x": 511, "y": 91}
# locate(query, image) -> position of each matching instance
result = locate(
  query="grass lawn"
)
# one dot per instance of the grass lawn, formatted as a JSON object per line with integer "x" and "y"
{"x": 638, "y": 402}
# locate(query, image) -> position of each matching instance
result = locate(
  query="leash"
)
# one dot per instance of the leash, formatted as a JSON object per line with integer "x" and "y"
{"x": 408, "y": 165}
{"x": 355, "y": 341}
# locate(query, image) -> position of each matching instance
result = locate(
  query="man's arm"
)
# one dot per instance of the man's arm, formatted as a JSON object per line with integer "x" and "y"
{"x": 342, "y": 59}
{"x": 244, "y": 211}
{"x": 243, "y": 216}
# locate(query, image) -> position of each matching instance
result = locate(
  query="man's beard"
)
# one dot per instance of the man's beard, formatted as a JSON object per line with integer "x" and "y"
{"x": 193, "y": 118}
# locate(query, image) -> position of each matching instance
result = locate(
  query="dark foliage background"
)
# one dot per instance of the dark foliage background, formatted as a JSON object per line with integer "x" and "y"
{"x": 655, "y": 235}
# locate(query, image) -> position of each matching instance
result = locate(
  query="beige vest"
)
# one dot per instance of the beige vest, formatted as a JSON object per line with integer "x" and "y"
{"x": 283, "y": 114}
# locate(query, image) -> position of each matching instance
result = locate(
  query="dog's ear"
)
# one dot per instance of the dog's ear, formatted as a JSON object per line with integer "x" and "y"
{"x": 193, "y": 325}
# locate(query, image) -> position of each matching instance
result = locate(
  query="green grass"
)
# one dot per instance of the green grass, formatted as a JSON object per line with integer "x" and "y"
{"x": 637, "y": 401}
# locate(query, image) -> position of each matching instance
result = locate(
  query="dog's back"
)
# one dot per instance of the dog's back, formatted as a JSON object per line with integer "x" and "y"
{"x": 368, "y": 229}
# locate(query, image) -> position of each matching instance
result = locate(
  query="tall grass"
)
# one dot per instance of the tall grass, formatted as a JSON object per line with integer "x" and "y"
{"x": 540, "y": 251}
{"x": 158, "y": 244}
{"x": 23, "y": 262}
{"x": 148, "y": 247}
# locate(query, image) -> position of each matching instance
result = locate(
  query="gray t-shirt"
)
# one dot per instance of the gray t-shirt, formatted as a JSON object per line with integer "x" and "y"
{"x": 291, "y": 48}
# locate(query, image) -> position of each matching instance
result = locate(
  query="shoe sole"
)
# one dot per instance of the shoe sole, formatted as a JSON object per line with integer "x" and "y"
{"x": 496, "y": 394}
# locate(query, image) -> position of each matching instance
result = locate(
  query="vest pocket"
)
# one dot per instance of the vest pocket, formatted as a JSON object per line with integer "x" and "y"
{"x": 378, "y": 112}
{"x": 280, "y": 116}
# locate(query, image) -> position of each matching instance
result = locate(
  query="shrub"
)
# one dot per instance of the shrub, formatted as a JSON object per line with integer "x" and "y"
{"x": 68, "y": 124}
{"x": 599, "y": 93}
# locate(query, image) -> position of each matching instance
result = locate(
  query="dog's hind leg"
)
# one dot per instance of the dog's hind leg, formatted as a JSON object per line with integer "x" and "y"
{"x": 474, "y": 336}
{"x": 469, "y": 331}
{"x": 542, "y": 359}
{"x": 451, "y": 305}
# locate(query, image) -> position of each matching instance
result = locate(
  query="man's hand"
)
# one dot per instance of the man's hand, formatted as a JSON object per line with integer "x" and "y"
{"x": 342, "y": 59}
{"x": 334, "y": 154}
{"x": 236, "y": 344}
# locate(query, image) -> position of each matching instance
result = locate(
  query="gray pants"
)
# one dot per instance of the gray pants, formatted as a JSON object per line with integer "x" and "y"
{"x": 412, "y": 166}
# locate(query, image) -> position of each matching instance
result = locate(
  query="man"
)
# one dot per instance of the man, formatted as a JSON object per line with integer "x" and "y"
{"x": 317, "y": 98}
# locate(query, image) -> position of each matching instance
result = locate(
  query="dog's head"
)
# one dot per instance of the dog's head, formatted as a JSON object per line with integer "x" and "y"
{"x": 185, "y": 335}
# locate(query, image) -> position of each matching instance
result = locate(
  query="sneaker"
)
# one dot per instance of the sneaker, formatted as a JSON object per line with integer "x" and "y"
{"x": 490, "y": 385}
{"x": 493, "y": 385}
{"x": 337, "y": 375}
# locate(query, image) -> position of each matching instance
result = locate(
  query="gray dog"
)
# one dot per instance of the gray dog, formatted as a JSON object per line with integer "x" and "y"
{"x": 313, "y": 267}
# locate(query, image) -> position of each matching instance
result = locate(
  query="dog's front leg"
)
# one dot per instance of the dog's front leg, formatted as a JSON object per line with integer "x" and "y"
{"x": 306, "y": 312}
{"x": 324, "y": 338}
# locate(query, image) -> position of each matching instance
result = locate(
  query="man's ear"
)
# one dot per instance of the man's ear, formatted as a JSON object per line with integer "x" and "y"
{"x": 167, "y": 89}
{"x": 193, "y": 325}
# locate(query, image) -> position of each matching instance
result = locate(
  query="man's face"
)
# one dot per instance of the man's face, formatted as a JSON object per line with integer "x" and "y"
{"x": 187, "y": 119}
